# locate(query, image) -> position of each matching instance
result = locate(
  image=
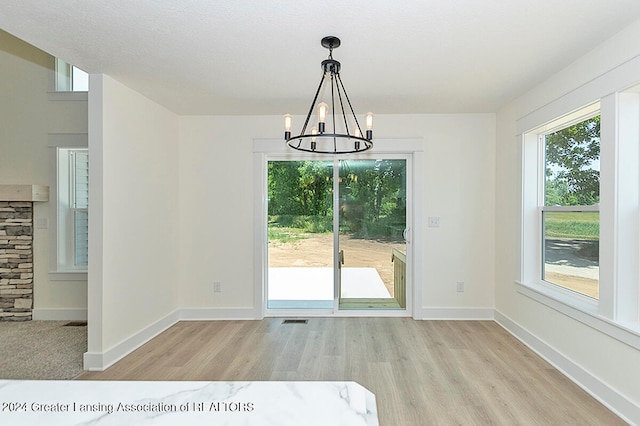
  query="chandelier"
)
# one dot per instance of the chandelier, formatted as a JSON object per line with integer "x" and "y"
{"x": 331, "y": 126}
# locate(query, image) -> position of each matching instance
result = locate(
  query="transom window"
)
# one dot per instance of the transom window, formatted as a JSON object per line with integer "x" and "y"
{"x": 70, "y": 78}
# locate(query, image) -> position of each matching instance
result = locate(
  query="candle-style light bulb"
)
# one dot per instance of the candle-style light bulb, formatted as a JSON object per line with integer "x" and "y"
{"x": 357, "y": 134}
{"x": 288, "y": 120}
{"x": 323, "y": 108}
{"x": 322, "y": 112}
{"x": 369, "y": 122}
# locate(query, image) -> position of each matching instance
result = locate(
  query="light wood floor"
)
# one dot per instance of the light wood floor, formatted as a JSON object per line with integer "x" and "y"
{"x": 422, "y": 372}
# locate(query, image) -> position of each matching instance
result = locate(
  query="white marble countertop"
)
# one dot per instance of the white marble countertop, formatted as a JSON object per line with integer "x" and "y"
{"x": 24, "y": 402}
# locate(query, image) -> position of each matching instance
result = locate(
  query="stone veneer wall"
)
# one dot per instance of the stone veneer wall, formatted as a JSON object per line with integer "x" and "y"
{"x": 16, "y": 260}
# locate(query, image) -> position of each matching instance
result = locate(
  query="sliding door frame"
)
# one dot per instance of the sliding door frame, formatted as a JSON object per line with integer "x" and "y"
{"x": 275, "y": 150}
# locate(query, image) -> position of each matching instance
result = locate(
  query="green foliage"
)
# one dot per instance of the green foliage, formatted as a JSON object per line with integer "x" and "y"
{"x": 387, "y": 229}
{"x": 572, "y": 225}
{"x": 282, "y": 220}
{"x": 556, "y": 192}
{"x": 572, "y": 165}
{"x": 316, "y": 224}
{"x": 284, "y": 235}
{"x": 300, "y": 187}
{"x": 309, "y": 224}
{"x": 372, "y": 196}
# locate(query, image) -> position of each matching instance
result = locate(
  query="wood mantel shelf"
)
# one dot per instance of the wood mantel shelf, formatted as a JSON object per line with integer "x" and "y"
{"x": 24, "y": 193}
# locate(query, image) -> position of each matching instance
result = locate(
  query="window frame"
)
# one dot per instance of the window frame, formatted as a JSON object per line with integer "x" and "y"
{"x": 533, "y": 208}
{"x": 63, "y": 91}
{"x": 60, "y": 239}
{"x": 617, "y": 311}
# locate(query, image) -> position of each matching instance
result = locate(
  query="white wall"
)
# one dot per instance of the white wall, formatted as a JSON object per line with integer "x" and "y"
{"x": 27, "y": 116}
{"x": 216, "y": 216}
{"x": 217, "y": 205}
{"x": 605, "y": 365}
{"x": 133, "y": 234}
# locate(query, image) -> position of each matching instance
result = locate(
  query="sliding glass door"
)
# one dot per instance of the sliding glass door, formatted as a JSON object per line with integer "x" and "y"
{"x": 372, "y": 226}
{"x": 336, "y": 234}
{"x": 300, "y": 235}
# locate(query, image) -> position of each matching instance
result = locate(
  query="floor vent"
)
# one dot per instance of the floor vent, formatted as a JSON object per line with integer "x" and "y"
{"x": 295, "y": 321}
{"x": 76, "y": 324}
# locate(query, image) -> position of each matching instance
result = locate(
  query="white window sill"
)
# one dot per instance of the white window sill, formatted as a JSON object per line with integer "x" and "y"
{"x": 586, "y": 313}
{"x": 68, "y": 276}
{"x": 68, "y": 96}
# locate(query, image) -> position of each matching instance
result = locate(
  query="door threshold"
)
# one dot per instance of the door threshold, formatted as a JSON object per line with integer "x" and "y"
{"x": 362, "y": 303}
{"x": 330, "y": 313}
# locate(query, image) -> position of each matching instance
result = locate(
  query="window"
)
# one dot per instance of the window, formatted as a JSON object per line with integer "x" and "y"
{"x": 570, "y": 217}
{"x": 580, "y": 223}
{"x": 69, "y": 78}
{"x": 561, "y": 217}
{"x": 72, "y": 208}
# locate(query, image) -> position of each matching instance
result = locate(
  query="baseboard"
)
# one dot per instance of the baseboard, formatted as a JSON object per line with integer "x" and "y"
{"x": 616, "y": 402}
{"x": 93, "y": 361}
{"x": 99, "y": 361}
{"x": 210, "y": 314}
{"x": 426, "y": 313}
{"x": 60, "y": 314}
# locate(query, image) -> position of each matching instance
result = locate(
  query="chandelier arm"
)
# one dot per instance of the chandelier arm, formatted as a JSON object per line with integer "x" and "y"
{"x": 350, "y": 106}
{"x": 313, "y": 104}
{"x": 333, "y": 110}
{"x": 344, "y": 116}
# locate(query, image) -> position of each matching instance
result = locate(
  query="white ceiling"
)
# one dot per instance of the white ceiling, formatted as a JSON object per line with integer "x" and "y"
{"x": 263, "y": 57}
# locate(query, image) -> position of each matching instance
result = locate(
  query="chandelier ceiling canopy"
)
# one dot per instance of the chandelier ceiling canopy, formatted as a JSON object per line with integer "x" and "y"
{"x": 331, "y": 126}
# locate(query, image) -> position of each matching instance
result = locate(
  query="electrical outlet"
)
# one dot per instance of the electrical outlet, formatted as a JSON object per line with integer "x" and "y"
{"x": 460, "y": 286}
{"x": 217, "y": 287}
{"x": 434, "y": 222}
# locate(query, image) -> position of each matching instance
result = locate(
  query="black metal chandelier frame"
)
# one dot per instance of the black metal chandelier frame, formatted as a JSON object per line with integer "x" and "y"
{"x": 308, "y": 140}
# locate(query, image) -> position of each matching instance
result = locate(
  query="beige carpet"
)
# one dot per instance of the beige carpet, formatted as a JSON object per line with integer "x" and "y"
{"x": 41, "y": 350}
